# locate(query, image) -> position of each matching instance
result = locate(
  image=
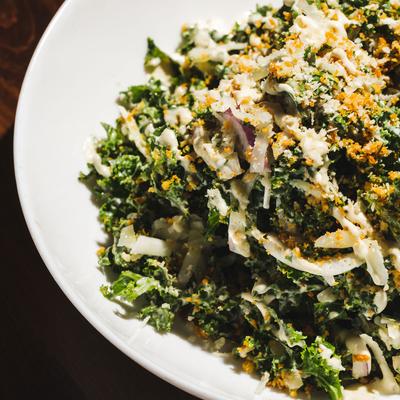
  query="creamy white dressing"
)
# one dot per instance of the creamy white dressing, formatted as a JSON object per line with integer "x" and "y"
{"x": 328, "y": 268}
{"x": 266, "y": 181}
{"x": 261, "y": 306}
{"x": 215, "y": 200}
{"x": 327, "y": 296}
{"x": 273, "y": 88}
{"x": 227, "y": 166}
{"x": 176, "y": 117}
{"x": 293, "y": 380}
{"x": 312, "y": 143}
{"x": 332, "y": 360}
{"x": 308, "y": 188}
{"x": 394, "y": 252}
{"x": 193, "y": 259}
{"x": 341, "y": 239}
{"x": 143, "y": 245}
{"x": 361, "y": 357}
{"x": 370, "y": 251}
{"x": 342, "y": 56}
{"x": 314, "y": 146}
{"x": 174, "y": 228}
{"x": 92, "y": 157}
{"x": 241, "y": 188}
{"x": 208, "y": 50}
{"x": 390, "y": 22}
{"x": 313, "y": 25}
{"x": 396, "y": 363}
{"x": 258, "y": 159}
{"x": 130, "y": 128}
{"x": 312, "y": 30}
{"x": 237, "y": 238}
{"x": 380, "y": 301}
{"x": 260, "y": 287}
{"x": 168, "y": 139}
{"x": 389, "y": 331}
{"x": 388, "y": 384}
{"x": 322, "y": 180}
{"x": 366, "y": 249}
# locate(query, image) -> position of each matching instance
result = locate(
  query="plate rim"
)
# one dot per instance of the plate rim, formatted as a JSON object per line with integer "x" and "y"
{"x": 28, "y": 213}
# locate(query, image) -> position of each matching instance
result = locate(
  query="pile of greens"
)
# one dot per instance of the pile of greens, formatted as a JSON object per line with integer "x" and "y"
{"x": 232, "y": 172}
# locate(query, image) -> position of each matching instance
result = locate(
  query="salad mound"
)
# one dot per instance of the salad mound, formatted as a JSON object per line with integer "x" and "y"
{"x": 252, "y": 188}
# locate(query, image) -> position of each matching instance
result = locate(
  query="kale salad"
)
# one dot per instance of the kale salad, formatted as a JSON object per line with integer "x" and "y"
{"x": 252, "y": 189}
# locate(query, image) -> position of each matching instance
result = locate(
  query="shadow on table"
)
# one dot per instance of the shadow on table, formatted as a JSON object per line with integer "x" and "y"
{"x": 48, "y": 350}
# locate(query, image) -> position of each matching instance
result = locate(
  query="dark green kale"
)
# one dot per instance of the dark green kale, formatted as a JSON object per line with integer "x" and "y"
{"x": 281, "y": 322}
{"x": 155, "y": 57}
{"x": 315, "y": 365}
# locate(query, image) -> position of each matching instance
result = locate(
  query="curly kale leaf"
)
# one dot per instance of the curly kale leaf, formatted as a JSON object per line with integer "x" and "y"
{"x": 385, "y": 209}
{"x": 317, "y": 366}
{"x": 161, "y": 318}
{"x": 157, "y": 56}
{"x": 154, "y": 97}
{"x": 129, "y": 286}
{"x": 187, "y": 41}
{"x": 161, "y": 300}
{"x": 214, "y": 310}
{"x": 135, "y": 94}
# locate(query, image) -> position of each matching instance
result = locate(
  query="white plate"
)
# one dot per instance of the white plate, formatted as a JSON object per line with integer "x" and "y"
{"x": 92, "y": 50}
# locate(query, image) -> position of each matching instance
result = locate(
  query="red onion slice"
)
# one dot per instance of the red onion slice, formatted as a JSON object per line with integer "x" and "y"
{"x": 245, "y": 133}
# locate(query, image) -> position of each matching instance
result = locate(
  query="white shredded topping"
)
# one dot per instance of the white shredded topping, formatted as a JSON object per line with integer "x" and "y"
{"x": 131, "y": 129}
{"x": 389, "y": 331}
{"x": 388, "y": 384}
{"x": 92, "y": 157}
{"x": 215, "y": 200}
{"x": 361, "y": 357}
{"x": 194, "y": 256}
{"x": 328, "y": 268}
{"x": 168, "y": 139}
{"x": 237, "y": 234}
{"x": 143, "y": 245}
{"x": 332, "y": 360}
{"x": 207, "y": 50}
{"x": 326, "y": 296}
{"x": 227, "y": 166}
{"x": 380, "y": 301}
{"x": 178, "y": 117}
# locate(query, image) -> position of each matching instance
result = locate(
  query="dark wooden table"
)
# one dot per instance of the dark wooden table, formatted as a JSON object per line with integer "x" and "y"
{"x": 47, "y": 349}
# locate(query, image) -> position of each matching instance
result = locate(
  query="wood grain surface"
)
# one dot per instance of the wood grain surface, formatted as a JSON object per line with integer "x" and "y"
{"x": 22, "y": 22}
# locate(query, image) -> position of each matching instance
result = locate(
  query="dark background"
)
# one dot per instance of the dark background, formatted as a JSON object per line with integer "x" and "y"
{"x": 47, "y": 349}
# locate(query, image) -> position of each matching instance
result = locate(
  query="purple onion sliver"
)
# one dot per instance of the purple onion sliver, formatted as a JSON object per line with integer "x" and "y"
{"x": 249, "y": 131}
